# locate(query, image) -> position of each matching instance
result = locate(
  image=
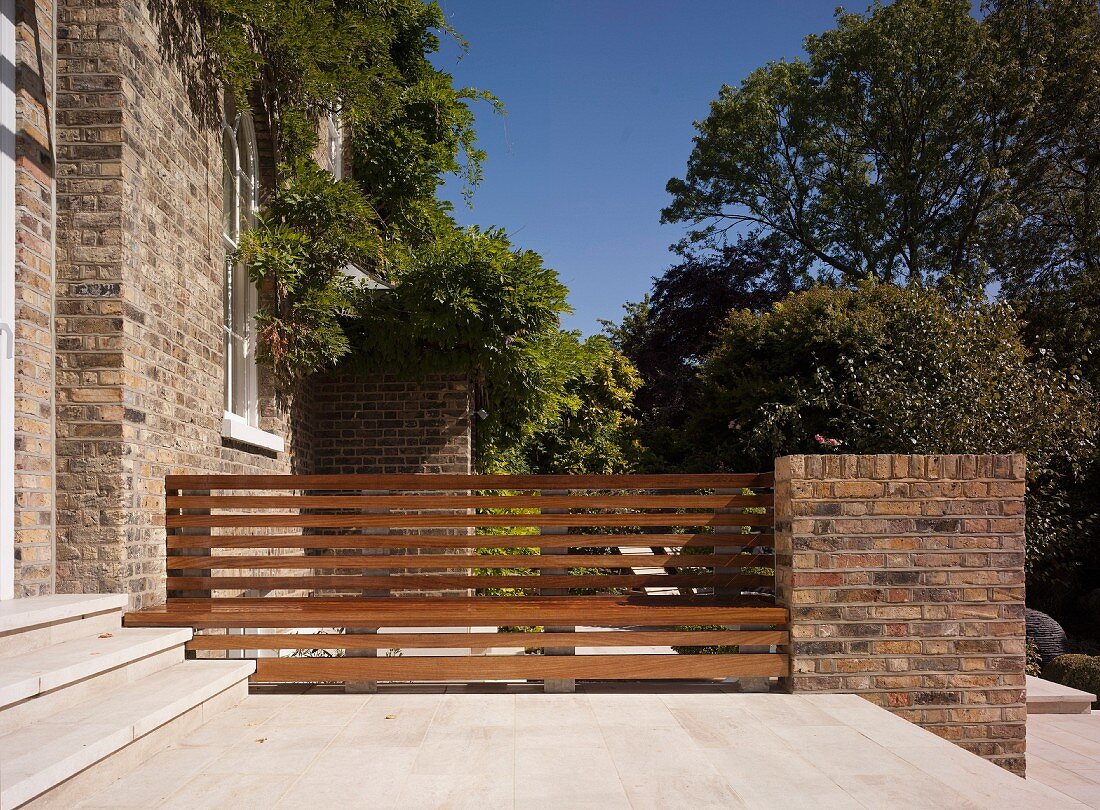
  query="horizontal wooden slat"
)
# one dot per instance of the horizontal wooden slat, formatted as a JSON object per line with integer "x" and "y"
{"x": 601, "y": 667}
{"x": 395, "y": 521}
{"x": 400, "y": 541}
{"x": 624, "y": 610}
{"x": 431, "y": 581}
{"x": 449, "y": 561}
{"x": 437, "y": 482}
{"x": 646, "y": 501}
{"x": 387, "y": 641}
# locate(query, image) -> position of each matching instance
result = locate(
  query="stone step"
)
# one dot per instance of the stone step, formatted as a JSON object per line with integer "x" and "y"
{"x": 39, "y": 621}
{"x": 58, "y": 665}
{"x": 1047, "y": 697}
{"x": 39, "y": 757}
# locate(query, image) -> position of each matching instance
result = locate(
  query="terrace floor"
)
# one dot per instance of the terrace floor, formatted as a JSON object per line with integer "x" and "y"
{"x": 607, "y": 747}
{"x": 1063, "y": 751}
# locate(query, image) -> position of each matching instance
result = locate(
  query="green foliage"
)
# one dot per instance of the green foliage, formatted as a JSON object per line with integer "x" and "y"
{"x": 884, "y": 369}
{"x": 591, "y": 431}
{"x": 914, "y": 142}
{"x": 312, "y": 227}
{"x": 1077, "y": 672}
{"x": 887, "y": 369}
{"x": 370, "y": 64}
{"x": 1052, "y": 244}
{"x": 465, "y": 300}
{"x": 1034, "y": 666}
{"x": 366, "y": 60}
{"x": 469, "y": 302}
{"x": 669, "y": 333}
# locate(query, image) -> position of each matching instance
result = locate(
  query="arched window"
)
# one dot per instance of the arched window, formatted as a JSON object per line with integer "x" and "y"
{"x": 239, "y": 191}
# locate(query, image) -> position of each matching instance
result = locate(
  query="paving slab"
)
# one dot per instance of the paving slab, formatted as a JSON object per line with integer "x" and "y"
{"x": 1063, "y": 752}
{"x": 655, "y": 747}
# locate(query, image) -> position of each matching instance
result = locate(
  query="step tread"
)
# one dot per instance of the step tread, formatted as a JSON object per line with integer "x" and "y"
{"x": 43, "y": 754}
{"x": 24, "y": 676}
{"x": 32, "y": 611}
{"x": 1047, "y": 697}
{"x": 1042, "y": 691}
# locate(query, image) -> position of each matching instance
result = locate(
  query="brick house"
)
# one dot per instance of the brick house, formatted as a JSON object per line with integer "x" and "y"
{"x": 127, "y": 348}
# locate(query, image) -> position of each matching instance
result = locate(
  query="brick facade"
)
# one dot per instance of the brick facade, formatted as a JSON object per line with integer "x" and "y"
{"x": 140, "y": 270}
{"x": 905, "y": 580}
{"x": 120, "y": 317}
{"x": 34, "y": 252}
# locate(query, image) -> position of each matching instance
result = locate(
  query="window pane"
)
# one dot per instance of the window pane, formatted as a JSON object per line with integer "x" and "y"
{"x": 240, "y": 298}
{"x": 241, "y": 357}
{"x": 247, "y": 174}
{"x": 229, "y": 187}
{"x": 247, "y": 203}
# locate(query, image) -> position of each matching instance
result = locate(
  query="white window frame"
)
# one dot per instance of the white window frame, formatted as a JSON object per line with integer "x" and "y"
{"x": 241, "y": 416}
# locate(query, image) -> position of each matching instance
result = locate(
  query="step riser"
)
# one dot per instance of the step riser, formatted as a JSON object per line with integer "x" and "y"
{"x": 17, "y": 642}
{"x": 34, "y": 709}
{"x": 1062, "y": 707}
{"x": 101, "y": 774}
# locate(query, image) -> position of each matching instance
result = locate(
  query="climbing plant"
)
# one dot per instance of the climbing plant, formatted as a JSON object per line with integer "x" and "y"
{"x": 462, "y": 300}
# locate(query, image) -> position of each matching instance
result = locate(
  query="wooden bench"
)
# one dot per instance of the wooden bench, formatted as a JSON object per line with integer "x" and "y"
{"x": 368, "y": 565}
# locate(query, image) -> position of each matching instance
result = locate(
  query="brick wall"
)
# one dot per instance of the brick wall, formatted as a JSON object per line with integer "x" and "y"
{"x": 119, "y": 317}
{"x": 905, "y": 580}
{"x": 384, "y": 424}
{"x": 34, "y": 357}
{"x": 139, "y": 301}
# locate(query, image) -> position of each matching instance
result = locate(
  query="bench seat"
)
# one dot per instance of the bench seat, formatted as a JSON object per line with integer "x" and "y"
{"x": 368, "y": 578}
{"x": 365, "y": 611}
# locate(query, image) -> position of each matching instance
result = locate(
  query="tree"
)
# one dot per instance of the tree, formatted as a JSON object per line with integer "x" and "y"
{"x": 464, "y": 300}
{"x": 1051, "y": 253}
{"x": 469, "y": 302}
{"x": 1054, "y": 237}
{"x": 668, "y": 334}
{"x": 915, "y": 142}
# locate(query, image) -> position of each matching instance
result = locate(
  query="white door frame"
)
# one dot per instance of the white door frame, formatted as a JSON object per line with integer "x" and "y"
{"x": 7, "y": 299}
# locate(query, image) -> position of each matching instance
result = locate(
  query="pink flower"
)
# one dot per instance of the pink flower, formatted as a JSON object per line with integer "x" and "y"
{"x": 819, "y": 439}
{"x": 734, "y": 425}
{"x": 834, "y": 442}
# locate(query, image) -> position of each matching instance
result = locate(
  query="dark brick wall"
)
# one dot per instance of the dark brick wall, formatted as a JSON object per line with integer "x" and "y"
{"x": 384, "y": 424}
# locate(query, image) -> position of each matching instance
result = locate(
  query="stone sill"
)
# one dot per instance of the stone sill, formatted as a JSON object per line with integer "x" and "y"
{"x": 235, "y": 428}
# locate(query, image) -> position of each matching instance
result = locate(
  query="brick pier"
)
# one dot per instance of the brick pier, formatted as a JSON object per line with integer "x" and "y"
{"x": 905, "y": 579}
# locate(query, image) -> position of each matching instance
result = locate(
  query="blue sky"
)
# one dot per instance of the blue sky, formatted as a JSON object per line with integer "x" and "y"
{"x": 600, "y": 99}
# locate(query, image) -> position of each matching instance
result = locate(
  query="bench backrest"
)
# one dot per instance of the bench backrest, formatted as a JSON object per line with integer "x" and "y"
{"x": 385, "y": 534}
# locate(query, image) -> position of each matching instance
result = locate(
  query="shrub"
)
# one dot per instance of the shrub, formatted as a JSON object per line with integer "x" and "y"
{"x": 1034, "y": 665}
{"x": 885, "y": 369}
{"x": 1076, "y": 671}
{"x": 708, "y": 649}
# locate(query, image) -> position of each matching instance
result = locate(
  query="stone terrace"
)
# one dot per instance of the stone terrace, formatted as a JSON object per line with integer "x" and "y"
{"x": 607, "y": 747}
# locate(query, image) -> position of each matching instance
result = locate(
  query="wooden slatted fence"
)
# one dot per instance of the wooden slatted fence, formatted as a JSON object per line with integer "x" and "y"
{"x": 410, "y": 554}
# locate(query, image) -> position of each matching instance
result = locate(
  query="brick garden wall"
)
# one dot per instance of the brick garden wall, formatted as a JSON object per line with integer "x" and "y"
{"x": 385, "y": 424}
{"x": 905, "y": 580}
{"x": 34, "y": 248}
